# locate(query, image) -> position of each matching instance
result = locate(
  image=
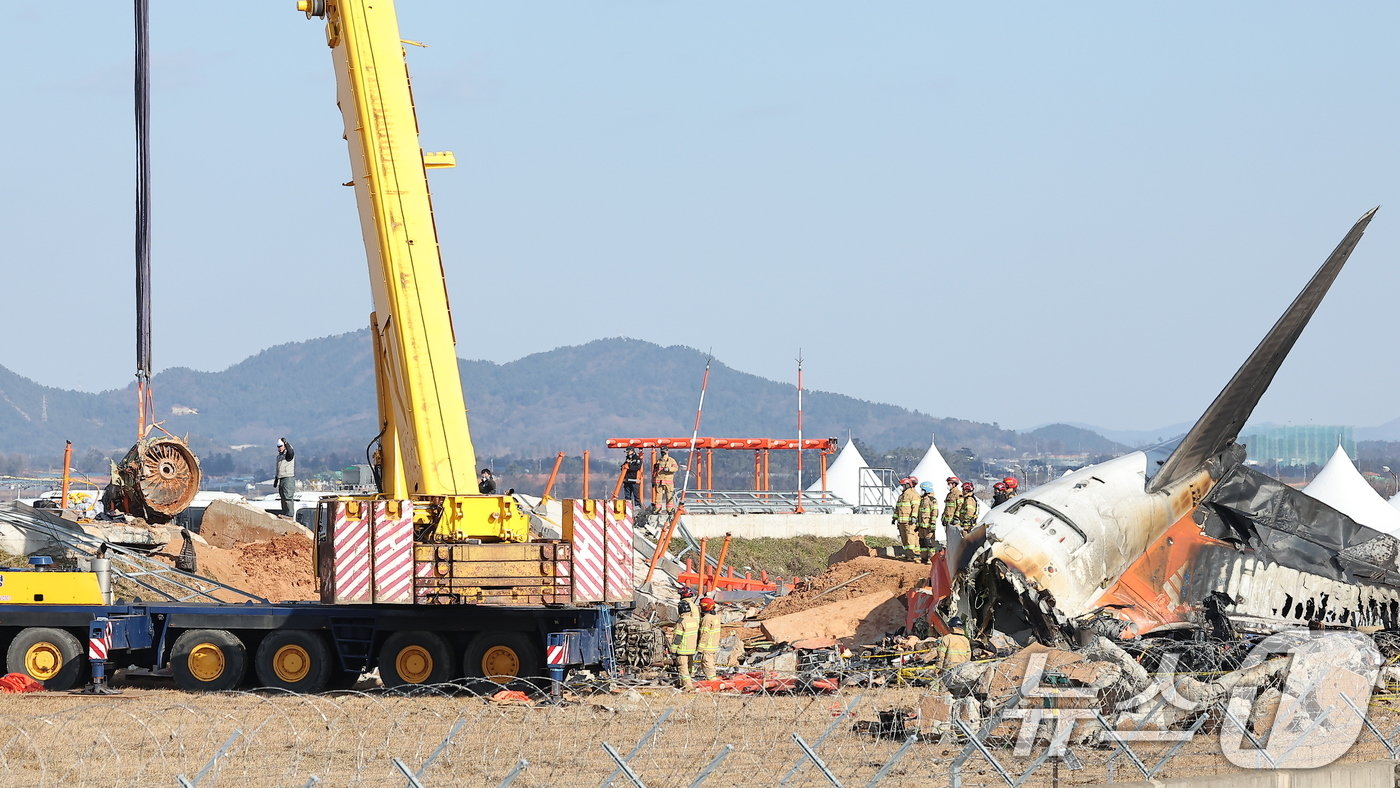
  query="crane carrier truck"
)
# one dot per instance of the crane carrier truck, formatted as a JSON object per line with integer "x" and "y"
{"x": 427, "y": 580}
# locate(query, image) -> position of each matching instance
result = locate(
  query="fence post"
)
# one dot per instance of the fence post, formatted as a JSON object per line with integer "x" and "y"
{"x": 714, "y": 764}
{"x": 199, "y": 777}
{"x": 825, "y": 770}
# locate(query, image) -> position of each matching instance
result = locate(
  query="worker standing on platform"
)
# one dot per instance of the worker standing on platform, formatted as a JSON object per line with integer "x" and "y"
{"x": 684, "y": 639}
{"x": 967, "y": 518}
{"x": 663, "y": 481}
{"x": 632, "y": 478}
{"x": 926, "y": 522}
{"x": 286, "y": 477}
{"x": 905, "y": 510}
{"x": 709, "y": 637}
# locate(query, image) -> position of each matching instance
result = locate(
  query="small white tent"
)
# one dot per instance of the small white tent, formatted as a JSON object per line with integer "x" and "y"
{"x": 933, "y": 468}
{"x": 843, "y": 475}
{"x": 1341, "y": 486}
{"x": 1395, "y": 500}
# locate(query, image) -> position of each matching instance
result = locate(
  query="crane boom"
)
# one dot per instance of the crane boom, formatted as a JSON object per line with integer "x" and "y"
{"x": 426, "y": 447}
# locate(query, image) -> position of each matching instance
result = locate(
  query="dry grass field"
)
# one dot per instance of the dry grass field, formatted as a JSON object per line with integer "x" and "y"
{"x": 152, "y": 736}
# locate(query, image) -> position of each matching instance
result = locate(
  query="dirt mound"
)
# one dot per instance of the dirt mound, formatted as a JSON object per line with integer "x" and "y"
{"x": 884, "y": 575}
{"x": 279, "y": 570}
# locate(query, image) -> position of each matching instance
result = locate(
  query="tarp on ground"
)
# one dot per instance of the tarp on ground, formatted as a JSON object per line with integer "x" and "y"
{"x": 1342, "y": 487}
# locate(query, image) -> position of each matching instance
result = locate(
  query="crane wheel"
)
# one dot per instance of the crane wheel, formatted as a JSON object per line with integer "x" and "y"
{"x": 502, "y": 657}
{"x": 294, "y": 660}
{"x": 416, "y": 658}
{"x": 52, "y": 656}
{"x": 208, "y": 660}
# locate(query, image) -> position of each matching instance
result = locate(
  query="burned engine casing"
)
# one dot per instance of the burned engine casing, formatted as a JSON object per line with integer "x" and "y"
{"x": 157, "y": 479}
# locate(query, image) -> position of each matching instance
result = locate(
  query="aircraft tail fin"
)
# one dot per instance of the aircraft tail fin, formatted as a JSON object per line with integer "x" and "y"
{"x": 1220, "y": 424}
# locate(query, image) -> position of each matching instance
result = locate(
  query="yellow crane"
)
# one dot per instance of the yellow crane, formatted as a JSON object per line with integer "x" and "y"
{"x": 426, "y": 453}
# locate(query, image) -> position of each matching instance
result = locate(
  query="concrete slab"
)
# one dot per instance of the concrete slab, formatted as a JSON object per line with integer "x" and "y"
{"x": 228, "y": 523}
{"x": 862, "y": 619}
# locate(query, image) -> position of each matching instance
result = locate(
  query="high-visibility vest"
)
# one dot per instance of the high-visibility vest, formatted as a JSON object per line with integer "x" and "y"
{"x": 969, "y": 510}
{"x": 683, "y": 640}
{"x": 709, "y": 632}
{"x": 928, "y": 509}
{"x": 954, "y": 649}
{"x": 952, "y": 506}
{"x": 904, "y": 508}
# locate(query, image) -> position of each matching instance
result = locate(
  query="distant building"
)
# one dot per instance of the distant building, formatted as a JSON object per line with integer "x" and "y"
{"x": 1300, "y": 446}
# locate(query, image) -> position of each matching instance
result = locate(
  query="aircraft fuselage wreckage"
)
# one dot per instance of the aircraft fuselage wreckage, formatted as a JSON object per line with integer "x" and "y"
{"x": 1134, "y": 545}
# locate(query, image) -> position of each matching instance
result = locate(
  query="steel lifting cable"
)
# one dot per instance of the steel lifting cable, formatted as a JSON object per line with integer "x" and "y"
{"x": 142, "y": 79}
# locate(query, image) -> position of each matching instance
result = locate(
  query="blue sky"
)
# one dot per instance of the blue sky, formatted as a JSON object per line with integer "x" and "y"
{"x": 1020, "y": 213}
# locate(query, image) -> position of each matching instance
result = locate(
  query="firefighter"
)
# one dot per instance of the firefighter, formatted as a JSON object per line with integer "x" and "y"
{"x": 1011, "y": 486}
{"x": 967, "y": 516}
{"x": 905, "y": 510}
{"x": 952, "y": 502}
{"x": 1000, "y": 494}
{"x": 632, "y": 478}
{"x": 685, "y": 638}
{"x": 709, "y": 637}
{"x": 663, "y": 480}
{"x": 926, "y": 521}
{"x": 954, "y": 648}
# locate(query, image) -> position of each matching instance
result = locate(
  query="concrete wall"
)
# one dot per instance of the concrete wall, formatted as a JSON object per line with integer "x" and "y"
{"x": 1376, "y": 774}
{"x": 782, "y": 526}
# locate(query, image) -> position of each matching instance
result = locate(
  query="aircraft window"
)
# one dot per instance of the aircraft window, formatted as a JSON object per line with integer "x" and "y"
{"x": 1054, "y": 524}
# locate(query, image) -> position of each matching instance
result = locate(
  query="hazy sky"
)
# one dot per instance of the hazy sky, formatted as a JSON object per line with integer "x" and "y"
{"x": 1024, "y": 212}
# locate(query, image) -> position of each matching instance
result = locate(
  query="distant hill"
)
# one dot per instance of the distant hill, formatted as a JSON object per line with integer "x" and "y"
{"x": 1069, "y": 439}
{"x": 320, "y": 393}
{"x": 1138, "y": 438}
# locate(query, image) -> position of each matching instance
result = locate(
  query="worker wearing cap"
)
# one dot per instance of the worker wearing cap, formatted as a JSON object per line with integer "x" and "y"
{"x": 632, "y": 478}
{"x": 709, "y": 637}
{"x": 967, "y": 511}
{"x": 905, "y": 510}
{"x": 953, "y": 648}
{"x": 685, "y": 638}
{"x": 952, "y": 502}
{"x": 663, "y": 480}
{"x": 926, "y": 520}
{"x": 285, "y": 479}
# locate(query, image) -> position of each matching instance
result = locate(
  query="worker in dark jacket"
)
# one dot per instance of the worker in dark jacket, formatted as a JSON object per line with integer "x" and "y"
{"x": 286, "y": 477}
{"x": 632, "y": 478}
{"x": 486, "y": 485}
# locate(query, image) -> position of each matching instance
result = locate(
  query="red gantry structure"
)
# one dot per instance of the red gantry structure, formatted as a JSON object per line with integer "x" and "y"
{"x": 702, "y": 454}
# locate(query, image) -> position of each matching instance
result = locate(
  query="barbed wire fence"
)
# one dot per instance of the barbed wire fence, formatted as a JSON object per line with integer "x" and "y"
{"x": 645, "y": 736}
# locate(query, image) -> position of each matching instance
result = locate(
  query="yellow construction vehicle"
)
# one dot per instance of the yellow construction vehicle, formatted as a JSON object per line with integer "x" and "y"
{"x": 425, "y": 447}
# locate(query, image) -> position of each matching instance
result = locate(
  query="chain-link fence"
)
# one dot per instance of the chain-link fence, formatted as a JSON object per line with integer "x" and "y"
{"x": 639, "y": 736}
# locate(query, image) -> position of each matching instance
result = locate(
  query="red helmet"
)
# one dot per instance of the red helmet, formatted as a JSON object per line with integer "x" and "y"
{"x": 952, "y": 480}
{"x": 685, "y": 592}
{"x": 967, "y": 487}
{"x": 1010, "y": 482}
{"x": 707, "y": 604}
{"x": 909, "y": 481}
{"x": 999, "y": 486}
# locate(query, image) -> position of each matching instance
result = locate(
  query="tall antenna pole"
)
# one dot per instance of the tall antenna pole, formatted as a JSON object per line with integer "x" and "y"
{"x": 799, "y": 430}
{"x": 143, "y": 216}
{"x": 695, "y": 434}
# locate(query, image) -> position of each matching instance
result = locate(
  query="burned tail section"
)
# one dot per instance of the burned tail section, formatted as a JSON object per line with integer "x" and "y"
{"x": 1220, "y": 425}
{"x": 1044, "y": 562}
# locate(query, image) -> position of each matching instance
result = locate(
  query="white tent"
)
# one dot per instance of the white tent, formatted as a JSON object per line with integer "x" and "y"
{"x": 1341, "y": 486}
{"x": 933, "y": 468}
{"x": 843, "y": 475}
{"x": 1395, "y": 500}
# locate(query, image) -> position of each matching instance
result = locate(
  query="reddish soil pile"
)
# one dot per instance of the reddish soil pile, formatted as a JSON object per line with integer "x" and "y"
{"x": 884, "y": 575}
{"x": 279, "y": 570}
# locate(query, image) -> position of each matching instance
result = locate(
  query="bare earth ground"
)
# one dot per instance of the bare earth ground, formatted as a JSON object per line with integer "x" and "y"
{"x": 148, "y": 737}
